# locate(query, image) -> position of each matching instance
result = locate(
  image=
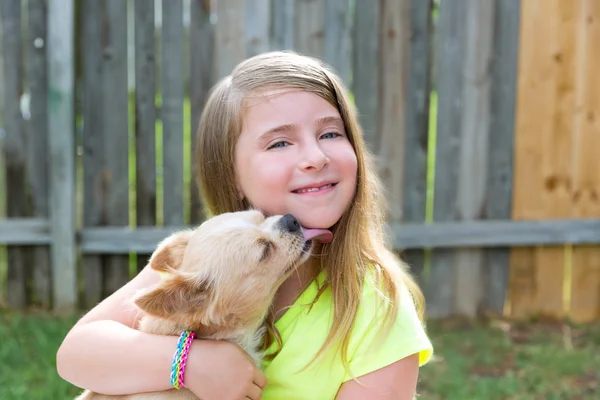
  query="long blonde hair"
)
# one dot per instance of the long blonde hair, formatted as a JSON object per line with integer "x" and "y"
{"x": 359, "y": 243}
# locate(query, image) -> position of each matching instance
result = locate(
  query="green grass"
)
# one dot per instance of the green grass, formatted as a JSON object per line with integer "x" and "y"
{"x": 473, "y": 361}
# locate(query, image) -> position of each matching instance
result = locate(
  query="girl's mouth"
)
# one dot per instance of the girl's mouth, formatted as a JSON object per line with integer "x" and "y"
{"x": 316, "y": 189}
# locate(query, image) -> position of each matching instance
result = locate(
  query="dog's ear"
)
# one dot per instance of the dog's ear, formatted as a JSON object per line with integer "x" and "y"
{"x": 176, "y": 295}
{"x": 169, "y": 254}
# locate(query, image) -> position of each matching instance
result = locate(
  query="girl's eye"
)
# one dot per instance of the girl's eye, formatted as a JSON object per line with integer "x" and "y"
{"x": 276, "y": 145}
{"x": 330, "y": 135}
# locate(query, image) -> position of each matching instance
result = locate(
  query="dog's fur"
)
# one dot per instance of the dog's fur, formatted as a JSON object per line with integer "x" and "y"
{"x": 219, "y": 280}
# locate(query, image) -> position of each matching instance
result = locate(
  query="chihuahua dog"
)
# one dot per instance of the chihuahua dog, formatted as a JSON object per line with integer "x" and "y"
{"x": 219, "y": 280}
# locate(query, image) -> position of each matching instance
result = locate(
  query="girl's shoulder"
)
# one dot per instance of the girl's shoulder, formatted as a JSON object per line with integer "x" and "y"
{"x": 377, "y": 341}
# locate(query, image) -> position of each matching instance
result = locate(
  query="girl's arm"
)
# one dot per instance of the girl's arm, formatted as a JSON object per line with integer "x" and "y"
{"x": 104, "y": 352}
{"x": 397, "y": 381}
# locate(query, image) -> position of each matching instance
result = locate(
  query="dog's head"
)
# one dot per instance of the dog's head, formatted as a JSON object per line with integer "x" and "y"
{"x": 224, "y": 274}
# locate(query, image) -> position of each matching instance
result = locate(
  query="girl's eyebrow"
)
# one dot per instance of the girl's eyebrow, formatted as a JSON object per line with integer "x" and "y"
{"x": 290, "y": 127}
{"x": 333, "y": 119}
{"x": 271, "y": 132}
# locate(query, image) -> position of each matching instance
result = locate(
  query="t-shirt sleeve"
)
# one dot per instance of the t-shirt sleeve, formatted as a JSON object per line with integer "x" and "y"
{"x": 369, "y": 350}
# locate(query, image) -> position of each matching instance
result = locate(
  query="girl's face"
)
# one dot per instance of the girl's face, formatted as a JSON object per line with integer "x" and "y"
{"x": 293, "y": 156}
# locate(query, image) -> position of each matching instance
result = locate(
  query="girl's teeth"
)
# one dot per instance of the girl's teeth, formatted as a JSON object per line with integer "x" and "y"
{"x": 314, "y": 189}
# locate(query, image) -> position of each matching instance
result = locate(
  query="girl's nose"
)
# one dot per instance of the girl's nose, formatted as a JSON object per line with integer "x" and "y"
{"x": 314, "y": 158}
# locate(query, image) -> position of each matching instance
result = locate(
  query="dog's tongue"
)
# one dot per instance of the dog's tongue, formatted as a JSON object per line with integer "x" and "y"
{"x": 322, "y": 235}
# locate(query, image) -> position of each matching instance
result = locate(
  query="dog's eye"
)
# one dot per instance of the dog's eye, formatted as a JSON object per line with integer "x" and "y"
{"x": 267, "y": 247}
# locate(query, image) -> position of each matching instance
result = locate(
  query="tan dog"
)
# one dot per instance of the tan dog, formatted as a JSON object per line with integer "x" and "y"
{"x": 219, "y": 280}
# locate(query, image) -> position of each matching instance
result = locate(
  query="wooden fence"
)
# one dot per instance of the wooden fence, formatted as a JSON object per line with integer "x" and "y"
{"x": 487, "y": 138}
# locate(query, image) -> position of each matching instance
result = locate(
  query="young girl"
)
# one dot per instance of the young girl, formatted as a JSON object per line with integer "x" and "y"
{"x": 280, "y": 134}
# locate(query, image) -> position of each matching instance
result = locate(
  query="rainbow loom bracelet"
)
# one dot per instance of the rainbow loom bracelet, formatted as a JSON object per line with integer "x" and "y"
{"x": 180, "y": 358}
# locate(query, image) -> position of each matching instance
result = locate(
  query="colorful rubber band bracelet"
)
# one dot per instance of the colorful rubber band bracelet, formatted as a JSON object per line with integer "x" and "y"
{"x": 180, "y": 358}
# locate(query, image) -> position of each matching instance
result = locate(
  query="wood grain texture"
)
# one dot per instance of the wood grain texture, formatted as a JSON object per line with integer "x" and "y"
{"x": 309, "y": 27}
{"x": 116, "y": 134}
{"x": 230, "y": 45}
{"x": 337, "y": 38}
{"x": 202, "y": 77}
{"x": 38, "y": 167}
{"x": 584, "y": 299}
{"x": 439, "y": 288}
{"x": 258, "y": 27}
{"x": 365, "y": 81}
{"x": 61, "y": 81}
{"x": 417, "y": 125}
{"x": 498, "y": 202}
{"x": 450, "y": 235}
{"x": 145, "y": 117}
{"x": 172, "y": 111}
{"x": 552, "y": 143}
{"x": 283, "y": 24}
{"x": 94, "y": 178}
{"x": 15, "y": 152}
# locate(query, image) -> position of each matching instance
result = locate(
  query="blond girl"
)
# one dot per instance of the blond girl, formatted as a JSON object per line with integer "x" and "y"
{"x": 280, "y": 135}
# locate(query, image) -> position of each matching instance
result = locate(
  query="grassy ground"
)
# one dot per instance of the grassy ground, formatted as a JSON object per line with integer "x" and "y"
{"x": 490, "y": 361}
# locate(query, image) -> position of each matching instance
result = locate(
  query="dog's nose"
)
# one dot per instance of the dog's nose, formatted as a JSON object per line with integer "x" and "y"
{"x": 290, "y": 223}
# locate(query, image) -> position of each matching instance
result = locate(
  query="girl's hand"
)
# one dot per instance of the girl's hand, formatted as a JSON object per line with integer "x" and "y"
{"x": 221, "y": 370}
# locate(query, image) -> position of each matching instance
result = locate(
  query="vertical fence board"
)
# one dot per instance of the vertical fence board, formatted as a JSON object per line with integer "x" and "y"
{"x": 172, "y": 111}
{"x": 230, "y": 45}
{"x": 472, "y": 163}
{"x": 282, "y": 24}
{"x": 417, "y": 124}
{"x": 498, "y": 203}
{"x": 61, "y": 79}
{"x": 393, "y": 66}
{"x": 3, "y": 186}
{"x": 309, "y": 27}
{"x": 365, "y": 78}
{"x": 38, "y": 143}
{"x": 258, "y": 18}
{"x": 94, "y": 178}
{"x": 145, "y": 118}
{"x": 115, "y": 134}
{"x": 585, "y": 290}
{"x": 544, "y": 151}
{"x": 201, "y": 80}
{"x": 439, "y": 288}
{"x": 337, "y": 37}
{"x": 14, "y": 148}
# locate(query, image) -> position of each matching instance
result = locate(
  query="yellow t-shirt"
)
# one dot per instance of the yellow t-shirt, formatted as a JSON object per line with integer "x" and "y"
{"x": 303, "y": 332}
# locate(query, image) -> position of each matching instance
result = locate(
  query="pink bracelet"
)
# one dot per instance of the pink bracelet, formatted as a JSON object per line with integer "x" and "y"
{"x": 180, "y": 358}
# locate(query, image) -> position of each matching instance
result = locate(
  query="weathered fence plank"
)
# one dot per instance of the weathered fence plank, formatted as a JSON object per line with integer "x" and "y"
{"x": 230, "y": 45}
{"x": 15, "y": 148}
{"x": 283, "y": 24}
{"x": 585, "y": 283}
{"x": 451, "y": 50}
{"x": 145, "y": 118}
{"x": 365, "y": 80}
{"x": 61, "y": 80}
{"x": 172, "y": 111}
{"x": 498, "y": 203}
{"x": 443, "y": 235}
{"x": 473, "y": 160}
{"x": 115, "y": 135}
{"x": 201, "y": 80}
{"x": 94, "y": 179}
{"x": 309, "y": 27}
{"x": 393, "y": 65}
{"x": 544, "y": 150}
{"x": 37, "y": 134}
{"x": 417, "y": 125}
{"x": 258, "y": 19}
{"x": 337, "y": 37}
